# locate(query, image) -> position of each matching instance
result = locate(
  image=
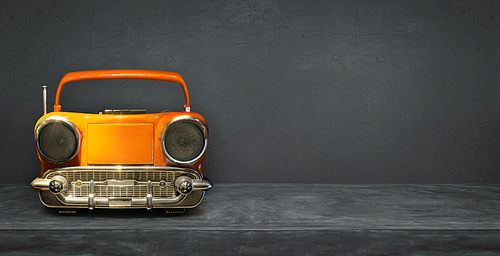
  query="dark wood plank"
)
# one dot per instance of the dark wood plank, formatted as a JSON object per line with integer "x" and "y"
{"x": 271, "y": 219}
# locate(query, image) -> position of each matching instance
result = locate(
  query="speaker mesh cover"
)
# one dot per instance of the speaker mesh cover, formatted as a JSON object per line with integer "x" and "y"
{"x": 184, "y": 141}
{"x": 57, "y": 142}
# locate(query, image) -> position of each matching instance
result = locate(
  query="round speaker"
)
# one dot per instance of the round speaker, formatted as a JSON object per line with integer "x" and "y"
{"x": 184, "y": 141}
{"x": 57, "y": 141}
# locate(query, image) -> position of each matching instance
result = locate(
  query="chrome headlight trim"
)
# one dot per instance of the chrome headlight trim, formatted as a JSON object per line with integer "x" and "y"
{"x": 53, "y": 119}
{"x": 190, "y": 119}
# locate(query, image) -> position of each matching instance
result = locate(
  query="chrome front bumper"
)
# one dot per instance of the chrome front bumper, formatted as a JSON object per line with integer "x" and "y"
{"x": 121, "y": 187}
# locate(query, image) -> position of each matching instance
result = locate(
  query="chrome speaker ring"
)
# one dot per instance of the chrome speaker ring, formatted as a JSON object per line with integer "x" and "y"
{"x": 67, "y": 123}
{"x": 192, "y": 120}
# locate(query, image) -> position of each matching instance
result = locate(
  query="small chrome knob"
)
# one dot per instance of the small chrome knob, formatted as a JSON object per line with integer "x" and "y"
{"x": 58, "y": 184}
{"x": 183, "y": 185}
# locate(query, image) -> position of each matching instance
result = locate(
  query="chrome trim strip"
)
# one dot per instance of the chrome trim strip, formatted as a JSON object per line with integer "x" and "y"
{"x": 120, "y": 183}
{"x": 191, "y": 119}
{"x": 115, "y": 168}
{"x": 91, "y": 195}
{"x": 149, "y": 196}
{"x": 40, "y": 184}
{"x": 99, "y": 202}
{"x": 122, "y": 112}
{"x": 204, "y": 184}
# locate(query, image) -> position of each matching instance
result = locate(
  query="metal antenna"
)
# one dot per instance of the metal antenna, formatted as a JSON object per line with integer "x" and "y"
{"x": 44, "y": 99}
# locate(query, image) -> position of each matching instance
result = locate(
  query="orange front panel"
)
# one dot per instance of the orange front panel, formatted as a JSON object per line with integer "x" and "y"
{"x": 120, "y": 143}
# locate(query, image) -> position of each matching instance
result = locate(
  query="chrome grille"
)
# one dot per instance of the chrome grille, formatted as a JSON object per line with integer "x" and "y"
{"x": 107, "y": 181}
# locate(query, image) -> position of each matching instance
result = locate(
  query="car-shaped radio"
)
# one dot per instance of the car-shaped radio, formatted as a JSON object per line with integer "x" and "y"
{"x": 121, "y": 158}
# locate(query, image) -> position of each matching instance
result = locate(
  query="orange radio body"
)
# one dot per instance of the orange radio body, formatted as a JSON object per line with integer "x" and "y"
{"x": 121, "y": 158}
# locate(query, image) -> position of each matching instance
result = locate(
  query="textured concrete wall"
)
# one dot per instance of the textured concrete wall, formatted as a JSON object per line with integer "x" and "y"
{"x": 294, "y": 91}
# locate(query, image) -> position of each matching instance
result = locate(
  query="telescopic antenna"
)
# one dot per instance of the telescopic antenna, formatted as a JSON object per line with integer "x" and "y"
{"x": 44, "y": 99}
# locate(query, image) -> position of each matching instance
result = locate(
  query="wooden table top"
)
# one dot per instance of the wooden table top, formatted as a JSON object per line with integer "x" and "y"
{"x": 283, "y": 207}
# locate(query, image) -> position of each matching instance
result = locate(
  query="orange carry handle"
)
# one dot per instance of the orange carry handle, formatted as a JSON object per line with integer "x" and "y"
{"x": 123, "y": 74}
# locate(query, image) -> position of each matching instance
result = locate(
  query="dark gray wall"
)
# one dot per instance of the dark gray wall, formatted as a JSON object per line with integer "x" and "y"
{"x": 294, "y": 91}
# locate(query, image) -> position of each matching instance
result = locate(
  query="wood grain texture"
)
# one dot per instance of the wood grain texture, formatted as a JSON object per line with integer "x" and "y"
{"x": 273, "y": 219}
